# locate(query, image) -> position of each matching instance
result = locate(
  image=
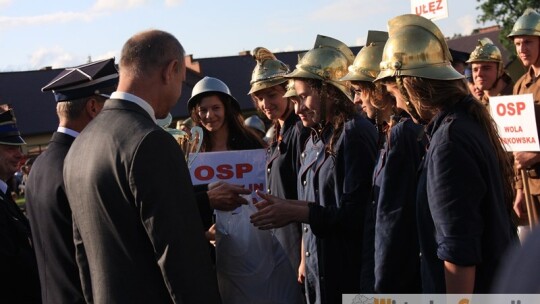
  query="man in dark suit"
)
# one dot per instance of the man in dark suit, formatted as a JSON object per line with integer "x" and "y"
{"x": 130, "y": 192}
{"x": 80, "y": 93}
{"x": 18, "y": 269}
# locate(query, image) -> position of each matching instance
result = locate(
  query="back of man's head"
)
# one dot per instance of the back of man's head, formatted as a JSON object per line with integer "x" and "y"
{"x": 149, "y": 50}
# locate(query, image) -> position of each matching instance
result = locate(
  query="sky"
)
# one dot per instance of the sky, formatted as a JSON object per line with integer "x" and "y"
{"x": 65, "y": 33}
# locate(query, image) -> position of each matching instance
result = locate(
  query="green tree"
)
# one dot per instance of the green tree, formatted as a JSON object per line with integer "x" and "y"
{"x": 505, "y": 13}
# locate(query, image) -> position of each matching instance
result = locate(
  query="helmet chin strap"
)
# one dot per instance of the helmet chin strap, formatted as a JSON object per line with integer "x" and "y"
{"x": 410, "y": 108}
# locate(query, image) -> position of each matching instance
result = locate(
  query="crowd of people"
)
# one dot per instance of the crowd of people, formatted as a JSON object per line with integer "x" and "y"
{"x": 385, "y": 174}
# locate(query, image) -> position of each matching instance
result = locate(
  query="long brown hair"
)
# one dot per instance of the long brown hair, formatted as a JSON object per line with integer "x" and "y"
{"x": 434, "y": 95}
{"x": 342, "y": 108}
{"x": 233, "y": 119}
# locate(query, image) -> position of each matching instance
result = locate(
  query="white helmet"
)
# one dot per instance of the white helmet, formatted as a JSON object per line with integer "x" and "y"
{"x": 207, "y": 85}
{"x": 255, "y": 122}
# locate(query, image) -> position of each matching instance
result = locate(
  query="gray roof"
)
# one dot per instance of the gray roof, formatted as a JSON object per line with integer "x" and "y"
{"x": 36, "y": 111}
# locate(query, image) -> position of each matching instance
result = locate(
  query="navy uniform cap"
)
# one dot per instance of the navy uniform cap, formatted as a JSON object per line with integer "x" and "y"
{"x": 459, "y": 56}
{"x": 94, "y": 78}
{"x": 9, "y": 133}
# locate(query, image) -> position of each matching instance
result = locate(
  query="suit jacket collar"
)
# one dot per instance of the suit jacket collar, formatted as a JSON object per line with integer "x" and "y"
{"x": 121, "y": 104}
{"x": 137, "y": 100}
{"x": 62, "y": 138}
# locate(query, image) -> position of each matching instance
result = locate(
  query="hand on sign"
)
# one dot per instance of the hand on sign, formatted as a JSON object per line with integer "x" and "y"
{"x": 226, "y": 197}
{"x": 525, "y": 160}
{"x": 275, "y": 212}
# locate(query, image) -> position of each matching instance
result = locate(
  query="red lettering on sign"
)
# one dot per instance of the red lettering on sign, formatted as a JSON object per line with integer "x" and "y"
{"x": 510, "y": 109}
{"x": 225, "y": 171}
{"x": 431, "y": 7}
{"x": 243, "y": 168}
{"x": 513, "y": 129}
{"x": 204, "y": 173}
{"x": 254, "y": 187}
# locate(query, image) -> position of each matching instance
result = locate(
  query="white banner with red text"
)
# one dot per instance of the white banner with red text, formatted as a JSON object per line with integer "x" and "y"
{"x": 244, "y": 167}
{"x": 516, "y": 121}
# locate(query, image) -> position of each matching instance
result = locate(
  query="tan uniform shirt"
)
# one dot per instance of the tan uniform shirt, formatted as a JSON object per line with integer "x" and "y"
{"x": 528, "y": 83}
{"x": 507, "y": 90}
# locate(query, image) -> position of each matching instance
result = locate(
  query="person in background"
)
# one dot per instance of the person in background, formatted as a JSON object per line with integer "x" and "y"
{"x": 526, "y": 38}
{"x": 459, "y": 60}
{"x": 268, "y": 92}
{"x": 334, "y": 182}
{"x": 488, "y": 71}
{"x": 464, "y": 189}
{"x": 476, "y": 92}
{"x": 185, "y": 125}
{"x": 397, "y": 263}
{"x": 25, "y": 169}
{"x": 136, "y": 222}
{"x": 256, "y": 124}
{"x": 367, "y": 94}
{"x": 18, "y": 266}
{"x": 213, "y": 108}
{"x": 80, "y": 93}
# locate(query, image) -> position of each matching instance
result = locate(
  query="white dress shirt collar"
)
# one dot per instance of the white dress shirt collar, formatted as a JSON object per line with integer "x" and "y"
{"x": 68, "y": 131}
{"x": 137, "y": 100}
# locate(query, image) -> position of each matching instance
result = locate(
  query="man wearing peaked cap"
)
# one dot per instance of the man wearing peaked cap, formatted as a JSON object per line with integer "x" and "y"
{"x": 80, "y": 93}
{"x": 94, "y": 78}
{"x": 17, "y": 261}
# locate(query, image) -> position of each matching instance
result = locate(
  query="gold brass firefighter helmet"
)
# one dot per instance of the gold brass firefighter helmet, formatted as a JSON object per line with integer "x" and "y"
{"x": 268, "y": 72}
{"x": 486, "y": 51}
{"x": 328, "y": 61}
{"x": 416, "y": 47}
{"x": 291, "y": 91}
{"x": 366, "y": 64}
{"x": 526, "y": 25}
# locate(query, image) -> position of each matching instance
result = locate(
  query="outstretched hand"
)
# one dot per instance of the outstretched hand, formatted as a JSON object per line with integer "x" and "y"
{"x": 275, "y": 212}
{"x": 226, "y": 197}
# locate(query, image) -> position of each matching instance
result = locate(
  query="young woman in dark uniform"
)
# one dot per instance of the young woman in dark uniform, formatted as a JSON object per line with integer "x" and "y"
{"x": 334, "y": 183}
{"x": 464, "y": 190}
{"x": 397, "y": 261}
{"x": 268, "y": 87}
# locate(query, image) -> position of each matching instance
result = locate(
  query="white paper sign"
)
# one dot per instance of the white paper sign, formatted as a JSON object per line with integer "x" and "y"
{"x": 245, "y": 167}
{"x": 430, "y": 9}
{"x": 516, "y": 122}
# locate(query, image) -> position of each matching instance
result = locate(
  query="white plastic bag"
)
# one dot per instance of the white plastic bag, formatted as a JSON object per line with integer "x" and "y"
{"x": 252, "y": 267}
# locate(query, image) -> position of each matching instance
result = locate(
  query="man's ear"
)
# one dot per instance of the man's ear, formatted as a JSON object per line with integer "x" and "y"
{"x": 93, "y": 107}
{"x": 170, "y": 70}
